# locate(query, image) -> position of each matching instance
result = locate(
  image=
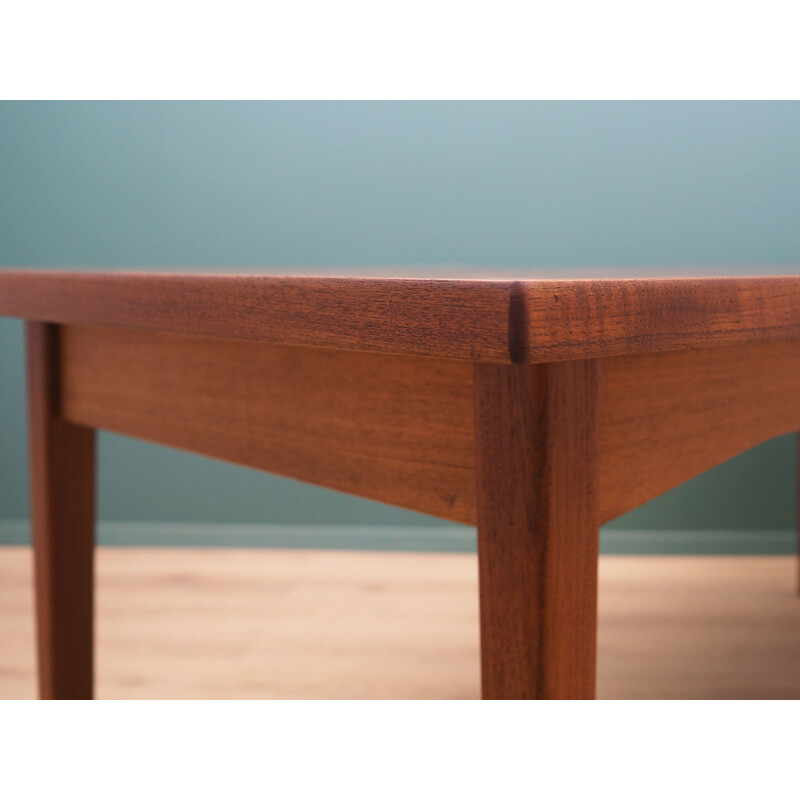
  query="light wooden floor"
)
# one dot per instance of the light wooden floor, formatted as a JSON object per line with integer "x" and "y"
{"x": 302, "y": 624}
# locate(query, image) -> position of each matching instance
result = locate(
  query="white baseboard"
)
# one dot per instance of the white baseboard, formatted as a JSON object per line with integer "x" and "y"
{"x": 452, "y": 539}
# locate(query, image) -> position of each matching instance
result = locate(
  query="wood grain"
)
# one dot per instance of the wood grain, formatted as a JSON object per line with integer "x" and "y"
{"x": 401, "y": 429}
{"x": 590, "y": 397}
{"x": 396, "y": 429}
{"x": 537, "y": 529}
{"x": 62, "y": 515}
{"x": 452, "y": 319}
{"x": 482, "y": 319}
{"x": 667, "y": 417}
{"x": 595, "y": 318}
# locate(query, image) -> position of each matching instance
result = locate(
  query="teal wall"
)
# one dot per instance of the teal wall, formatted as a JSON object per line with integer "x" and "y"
{"x": 326, "y": 184}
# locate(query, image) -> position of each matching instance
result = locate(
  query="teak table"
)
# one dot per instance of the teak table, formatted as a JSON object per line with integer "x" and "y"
{"x": 536, "y": 408}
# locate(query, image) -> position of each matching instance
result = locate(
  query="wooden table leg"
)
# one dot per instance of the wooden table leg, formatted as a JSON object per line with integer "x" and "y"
{"x": 62, "y": 517}
{"x": 537, "y": 529}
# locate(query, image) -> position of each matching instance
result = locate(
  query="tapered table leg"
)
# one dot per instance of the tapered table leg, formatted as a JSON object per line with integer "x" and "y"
{"x": 62, "y": 516}
{"x": 537, "y": 529}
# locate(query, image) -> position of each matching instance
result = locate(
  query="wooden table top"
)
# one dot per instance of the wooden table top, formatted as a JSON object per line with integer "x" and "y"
{"x": 508, "y": 316}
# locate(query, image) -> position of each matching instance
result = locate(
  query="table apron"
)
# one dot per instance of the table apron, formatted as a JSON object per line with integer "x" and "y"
{"x": 401, "y": 429}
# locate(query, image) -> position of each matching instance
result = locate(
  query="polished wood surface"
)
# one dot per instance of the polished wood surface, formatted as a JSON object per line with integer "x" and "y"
{"x": 384, "y": 427}
{"x": 524, "y": 318}
{"x": 586, "y": 396}
{"x": 537, "y": 529}
{"x": 62, "y": 516}
{"x": 666, "y": 417}
{"x": 400, "y": 429}
{"x": 217, "y": 623}
{"x": 452, "y": 319}
{"x": 607, "y": 317}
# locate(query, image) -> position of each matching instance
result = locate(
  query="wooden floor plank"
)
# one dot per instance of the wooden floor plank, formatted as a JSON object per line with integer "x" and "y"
{"x": 183, "y": 623}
